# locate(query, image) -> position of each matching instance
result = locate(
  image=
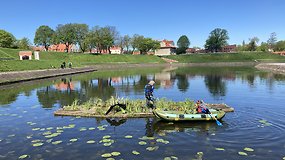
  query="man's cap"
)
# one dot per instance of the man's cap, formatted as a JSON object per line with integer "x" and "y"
{"x": 151, "y": 82}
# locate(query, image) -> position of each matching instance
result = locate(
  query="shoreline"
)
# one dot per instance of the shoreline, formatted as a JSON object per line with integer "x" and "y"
{"x": 29, "y": 75}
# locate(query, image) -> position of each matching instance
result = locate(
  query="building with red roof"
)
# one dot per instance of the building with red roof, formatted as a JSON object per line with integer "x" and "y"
{"x": 166, "y": 48}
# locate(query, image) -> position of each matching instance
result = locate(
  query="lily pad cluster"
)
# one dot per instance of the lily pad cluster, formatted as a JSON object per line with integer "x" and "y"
{"x": 242, "y": 153}
{"x": 107, "y": 141}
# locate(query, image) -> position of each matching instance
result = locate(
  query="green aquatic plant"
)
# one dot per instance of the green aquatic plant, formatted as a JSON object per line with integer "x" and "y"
{"x": 135, "y": 152}
{"x": 100, "y": 107}
{"x": 24, "y": 156}
{"x": 242, "y": 153}
{"x": 248, "y": 149}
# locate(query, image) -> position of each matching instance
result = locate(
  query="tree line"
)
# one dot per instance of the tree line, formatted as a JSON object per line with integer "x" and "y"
{"x": 103, "y": 38}
{"x": 99, "y": 38}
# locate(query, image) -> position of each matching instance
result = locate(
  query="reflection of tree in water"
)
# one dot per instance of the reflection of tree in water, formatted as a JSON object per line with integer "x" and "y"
{"x": 215, "y": 85}
{"x": 182, "y": 82}
{"x": 8, "y": 96}
{"x": 116, "y": 121}
{"x": 49, "y": 96}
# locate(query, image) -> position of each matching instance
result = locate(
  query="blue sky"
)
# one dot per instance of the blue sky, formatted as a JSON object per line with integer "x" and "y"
{"x": 158, "y": 19}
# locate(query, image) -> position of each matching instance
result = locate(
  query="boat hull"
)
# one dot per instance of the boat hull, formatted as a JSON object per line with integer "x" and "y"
{"x": 182, "y": 116}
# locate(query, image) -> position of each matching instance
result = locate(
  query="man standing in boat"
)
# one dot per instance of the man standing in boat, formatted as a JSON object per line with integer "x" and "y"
{"x": 148, "y": 90}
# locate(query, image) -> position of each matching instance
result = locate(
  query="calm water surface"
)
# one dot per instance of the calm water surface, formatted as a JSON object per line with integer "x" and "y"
{"x": 26, "y": 116}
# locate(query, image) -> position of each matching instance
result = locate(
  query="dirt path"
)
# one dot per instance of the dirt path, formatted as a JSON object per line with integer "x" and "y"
{"x": 273, "y": 67}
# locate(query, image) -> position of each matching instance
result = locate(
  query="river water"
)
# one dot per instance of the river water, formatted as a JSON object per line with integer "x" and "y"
{"x": 27, "y": 120}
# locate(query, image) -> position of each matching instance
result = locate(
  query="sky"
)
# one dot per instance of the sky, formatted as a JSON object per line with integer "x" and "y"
{"x": 157, "y": 19}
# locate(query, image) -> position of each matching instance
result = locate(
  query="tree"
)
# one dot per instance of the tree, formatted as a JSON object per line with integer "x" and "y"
{"x": 272, "y": 40}
{"x": 280, "y": 46}
{"x": 252, "y": 45}
{"x": 217, "y": 39}
{"x": 147, "y": 44}
{"x": 135, "y": 41}
{"x": 81, "y": 31}
{"x": 24, "y": 43}
{"x": 109, "y": 36}
{"x": 124, "y": 42}
{"x": 6, "y": 39}
{"x": 263, "y": 47}
{"x": 66, "y": 34}
{"x": 183, "y": 43}
{"x": 43, "y": 36}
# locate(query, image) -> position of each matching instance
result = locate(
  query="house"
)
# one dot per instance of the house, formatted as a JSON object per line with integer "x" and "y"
{"x": 62, "y": 48}
{"x": 115, "y": 50}
{"x": 229, "y": 48}
{"x": 190, "y": 50}
{"x": 25, "y": 55}
{"x": 166, "y": 48}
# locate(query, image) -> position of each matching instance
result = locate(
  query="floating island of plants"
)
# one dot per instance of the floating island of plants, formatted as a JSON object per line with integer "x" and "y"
{"x": 133, "y": 108}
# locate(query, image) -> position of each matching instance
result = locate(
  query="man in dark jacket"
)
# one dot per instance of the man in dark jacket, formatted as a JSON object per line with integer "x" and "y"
{"x": 148, "y": 90}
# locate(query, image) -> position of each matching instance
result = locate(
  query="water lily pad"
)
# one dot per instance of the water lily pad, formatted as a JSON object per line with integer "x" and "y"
{"x": 135, "y": 152}
{"x": 82, "y": 129}
{"x": 152, "y": 148}
{"x": 166, "y": 158}
{"x": 38, "y": 144}
{"x": 59, "y": 131}
{"x": 220, "y": 149}
{"x": 47, "y": 133}
{"x": 107, "y": 144}
{"x": 128, "y": 136}
{"x": 35, "y": 129}
{"x": 49, "y": 128}
{"x": 200, "y": 153}
{"x": 248, "y": 149}
{"x": 73, "y": 140}
{"x": 56, "y": 142}
{"x": 110, "y": 158}
{"x": 71, "y": 125}
{"x": 91, "y": 128}
{"x": 174, "y": 157}
{"x": 106, "y": 140}
{"x": 115, "y": 153}
{"x": 24, "y": 156}
{"x": 106, "y": 137}
{"x": 242, "y": 153}
{"x": 106, "y": 155}
{"x": 284, "y": 158}
{"x": 49, "y": 140}
{"x": 142, "y": 143}
{"x": 90, "y": 142}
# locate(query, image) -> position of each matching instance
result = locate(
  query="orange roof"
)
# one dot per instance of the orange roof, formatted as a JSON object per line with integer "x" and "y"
{"x": 25, "y": 53}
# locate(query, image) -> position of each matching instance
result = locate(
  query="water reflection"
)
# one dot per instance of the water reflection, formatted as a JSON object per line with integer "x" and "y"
{"x": 103, "y": 85}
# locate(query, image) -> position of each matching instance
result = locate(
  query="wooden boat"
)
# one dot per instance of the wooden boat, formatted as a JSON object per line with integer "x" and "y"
{"x": 184, "y": 116}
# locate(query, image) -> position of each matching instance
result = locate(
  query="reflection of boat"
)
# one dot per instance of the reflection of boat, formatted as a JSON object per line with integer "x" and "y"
{"x": 182, "y": 116}
{"x": 183, "y": 126}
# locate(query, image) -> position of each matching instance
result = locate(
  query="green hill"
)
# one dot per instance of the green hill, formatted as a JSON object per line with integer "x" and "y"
{"x": 50, "y": 59}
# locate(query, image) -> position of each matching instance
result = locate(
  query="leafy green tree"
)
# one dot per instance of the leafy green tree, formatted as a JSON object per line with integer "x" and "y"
{"x": 279, "y": 46}
{"x": 263, "y": 47}
{"x": 6, "y": 39}
{"x": 252, "y": 45}
{"x": 109, "y": 36}
{"x": 81, "y": 31}
{"x": 124, "y": 42}
{"x": 272, "y": 40}
{"x": 183, "y": 43}
{"x": 135, "y": 41}
{"x": 66, "y": 34}
{"x": 24, "y": 43}
{"x": 43, "y": 36}
{"x": 147, "y": 44}
{"x": 217, "y": 39}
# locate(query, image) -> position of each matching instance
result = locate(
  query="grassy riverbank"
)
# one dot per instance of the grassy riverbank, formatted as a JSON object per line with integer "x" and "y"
{"x": 9, "y": 59}
{"x": 229, "y": 57}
